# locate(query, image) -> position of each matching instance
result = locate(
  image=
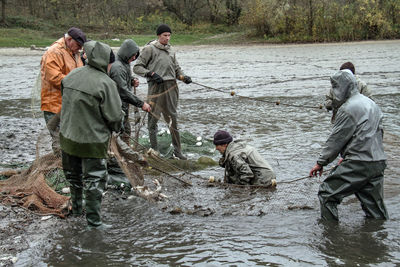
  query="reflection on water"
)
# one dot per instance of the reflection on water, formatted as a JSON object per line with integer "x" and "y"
{"x": 247, "y": 227}
{"x": 363, "y": 244}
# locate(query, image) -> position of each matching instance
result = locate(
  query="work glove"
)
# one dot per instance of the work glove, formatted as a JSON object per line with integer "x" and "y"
{"x": 155, "y": 77}
{"x": 187, "y": 79}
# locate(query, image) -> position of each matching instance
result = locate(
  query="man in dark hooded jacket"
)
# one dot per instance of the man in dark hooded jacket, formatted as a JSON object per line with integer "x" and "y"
{"x": 91, "y": 111}
{"x": 357, "y": 136}
{"x": 121, "y": 73}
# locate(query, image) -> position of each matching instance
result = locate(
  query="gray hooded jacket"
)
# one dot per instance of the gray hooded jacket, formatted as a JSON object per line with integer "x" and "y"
{"x": 121, "y": 73}
{"x": 357, "y": 132}
{"x": 244, "y": 165}
{"x": 361, "y": 86}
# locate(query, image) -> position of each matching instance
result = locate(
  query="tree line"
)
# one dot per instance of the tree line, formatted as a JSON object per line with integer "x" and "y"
{"x": 287, "y": 20}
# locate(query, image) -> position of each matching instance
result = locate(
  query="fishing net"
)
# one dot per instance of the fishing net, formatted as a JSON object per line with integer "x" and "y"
{"x": 32, "y": 188}
{"x": 190, "y": 143}
{"x": 35, "y": 97}
{"x": 43, "y": 189}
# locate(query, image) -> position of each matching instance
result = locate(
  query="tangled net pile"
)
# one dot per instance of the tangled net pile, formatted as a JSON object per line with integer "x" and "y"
{"x": 38, "y": 188}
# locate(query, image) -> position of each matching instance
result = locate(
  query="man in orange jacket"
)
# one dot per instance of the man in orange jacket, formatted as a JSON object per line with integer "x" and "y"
{"x": 59, "y": 60}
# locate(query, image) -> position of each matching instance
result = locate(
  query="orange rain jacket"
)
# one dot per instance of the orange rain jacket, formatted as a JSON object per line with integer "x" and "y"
{"x": 56, "y": 63}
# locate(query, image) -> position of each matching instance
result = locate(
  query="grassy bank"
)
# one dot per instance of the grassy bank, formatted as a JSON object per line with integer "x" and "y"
{"x": 22, "y": 37}
{"x": 19, "y": 37}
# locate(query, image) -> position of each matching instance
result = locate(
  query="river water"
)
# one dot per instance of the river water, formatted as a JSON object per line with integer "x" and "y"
{"x": 231, "y": 226}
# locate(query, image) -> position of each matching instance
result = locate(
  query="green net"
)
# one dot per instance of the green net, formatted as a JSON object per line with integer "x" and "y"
{"x": 190, "y": 144}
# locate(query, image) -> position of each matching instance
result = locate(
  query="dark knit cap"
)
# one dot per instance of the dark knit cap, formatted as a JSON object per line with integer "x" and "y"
{"x": 163, "y": 28}
{"x": 222, "y": 137}
{"x": 77, "y": 35}
{"x": 348, "y": 66}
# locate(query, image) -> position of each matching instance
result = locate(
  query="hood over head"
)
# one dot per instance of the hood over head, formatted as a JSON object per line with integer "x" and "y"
{"x": 127, "y": 50}
{"x": 343, "y": 86}
{"x": 98, "y": 55}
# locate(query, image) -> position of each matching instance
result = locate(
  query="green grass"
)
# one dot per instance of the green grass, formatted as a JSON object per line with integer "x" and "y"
{"x": 19, "y": 37}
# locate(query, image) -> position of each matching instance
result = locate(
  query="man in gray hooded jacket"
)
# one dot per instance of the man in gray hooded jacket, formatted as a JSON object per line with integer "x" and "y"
{"x": 243, "y": 164}
{"x": 357, "y": 136}
{"x": 361, "y": 86}
{"x": 158, "y": 64}
{"x": 121, "y": 73}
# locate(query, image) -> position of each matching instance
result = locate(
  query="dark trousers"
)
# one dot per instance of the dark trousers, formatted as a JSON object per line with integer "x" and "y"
{"x": 126, "y": 134}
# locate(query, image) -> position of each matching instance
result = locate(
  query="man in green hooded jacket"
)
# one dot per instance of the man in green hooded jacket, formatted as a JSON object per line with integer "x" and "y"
{"x": 157, "y": 62}
{"x": 91, "y": 111}
{"x": 121, "y": 73}
{"x": 357, "y": 135}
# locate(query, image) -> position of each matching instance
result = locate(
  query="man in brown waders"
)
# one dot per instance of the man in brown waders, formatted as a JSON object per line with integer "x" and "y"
{"x": 157, "y": 62}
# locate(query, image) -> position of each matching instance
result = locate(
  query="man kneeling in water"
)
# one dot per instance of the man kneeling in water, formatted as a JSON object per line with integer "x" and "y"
{"x": 243, "y": 164}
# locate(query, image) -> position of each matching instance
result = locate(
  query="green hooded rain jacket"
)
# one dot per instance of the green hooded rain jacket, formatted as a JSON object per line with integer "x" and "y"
{"x": 91, "y": 107}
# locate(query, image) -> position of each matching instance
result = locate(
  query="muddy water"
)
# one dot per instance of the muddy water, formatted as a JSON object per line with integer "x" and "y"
{"x": 232, "y": 227}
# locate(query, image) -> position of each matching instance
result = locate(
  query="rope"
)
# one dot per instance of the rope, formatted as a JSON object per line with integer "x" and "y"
{"x": 294, "y": 180}
{"x": 305, "y": 177}
{"x": 170, "y": 127}
{"x": 260, "y": 100}
{"x": 160, "y": 94}
{"x": 173, "y": 176}
{"x": 158, "y": 117}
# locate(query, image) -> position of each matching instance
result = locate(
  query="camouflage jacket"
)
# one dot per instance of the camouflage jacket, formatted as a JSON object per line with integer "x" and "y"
{"x": 244, "y": 165}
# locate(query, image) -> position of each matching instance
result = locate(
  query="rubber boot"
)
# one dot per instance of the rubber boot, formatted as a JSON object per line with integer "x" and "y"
{"x": 72, "y": 168}
{"x": 76, "y": 199}
{"x": 95, "y": 174}
{"x": 179, "y": 155}
{"x": 176, "y": 142}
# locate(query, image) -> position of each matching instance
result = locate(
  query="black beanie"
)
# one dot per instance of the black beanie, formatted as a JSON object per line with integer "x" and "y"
{"x": 222, "y": 137}
{"x": 163, "y": 28}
